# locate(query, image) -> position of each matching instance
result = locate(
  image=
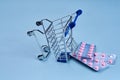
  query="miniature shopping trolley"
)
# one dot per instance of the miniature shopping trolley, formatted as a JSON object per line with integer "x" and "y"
{"x": 59, "y": 40}
{"x": 58, "y": 34}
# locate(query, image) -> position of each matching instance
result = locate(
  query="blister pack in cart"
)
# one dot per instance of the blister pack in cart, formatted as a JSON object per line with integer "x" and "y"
{"x": 58, "y": 34}
{"x": 86, "y": 53}
{"x": 58, "y": 38}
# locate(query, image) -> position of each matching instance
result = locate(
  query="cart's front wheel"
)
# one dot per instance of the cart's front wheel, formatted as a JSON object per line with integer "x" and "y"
{"x": 45, "y": 53}
{"x": 46, "y": 49}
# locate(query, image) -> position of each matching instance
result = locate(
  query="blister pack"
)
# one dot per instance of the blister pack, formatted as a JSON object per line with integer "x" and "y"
{"x": 86, "y": 54}
{"x": 86, "y": 50}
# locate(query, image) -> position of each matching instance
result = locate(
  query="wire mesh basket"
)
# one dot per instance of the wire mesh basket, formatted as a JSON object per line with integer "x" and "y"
{"x": 58, "y": 34}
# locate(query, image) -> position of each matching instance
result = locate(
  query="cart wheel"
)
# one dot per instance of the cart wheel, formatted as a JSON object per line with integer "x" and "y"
{"x": 38, "y": 23}
{"x": 43, "y": 57}
{"x": 40, "y": 57}
{"x": 46, "y": 48}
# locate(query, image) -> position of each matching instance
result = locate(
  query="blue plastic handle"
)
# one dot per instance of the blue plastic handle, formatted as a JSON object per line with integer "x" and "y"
{"x": 78, "y": 13}
{"x": 73, "y": 23}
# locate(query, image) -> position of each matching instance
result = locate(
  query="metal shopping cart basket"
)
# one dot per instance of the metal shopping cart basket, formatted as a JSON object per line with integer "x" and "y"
{"x": 58, "y": 34}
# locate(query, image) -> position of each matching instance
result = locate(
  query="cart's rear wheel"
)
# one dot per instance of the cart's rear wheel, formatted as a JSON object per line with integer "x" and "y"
{"x": 40, "y": 57}
{"x": 38, "y": 23}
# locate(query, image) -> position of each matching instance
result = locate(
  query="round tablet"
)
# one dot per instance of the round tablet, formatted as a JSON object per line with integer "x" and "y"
{"x": 79, "y": 54}
{"x": 82, "y": 48}
{"x": 79, "y": 57}
{"x": 84, "y": 60}
{"x": 103, "y": 55}
{"x": 110, "y": 61}
{"x": 74, "y": 54}
{"x": 89, "y": 55}
{"x": 96, "y": 68}
{"x": 91, "y": 47}
{"x": 91, "y": 50}
{"x": 90, "y": 64}
{"x": 80, "y": 51}
{"x": 83, "y": 43}
{"x": 96, "y": 60}
{"x": 103, "y": 63}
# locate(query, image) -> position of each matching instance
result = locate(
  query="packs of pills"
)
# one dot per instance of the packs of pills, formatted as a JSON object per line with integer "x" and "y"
{"x": 86, "y": 53}
{"x": 86, "y": 50}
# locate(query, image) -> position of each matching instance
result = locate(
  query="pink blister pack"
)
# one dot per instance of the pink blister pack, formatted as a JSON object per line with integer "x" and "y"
{"x": 86, "y": 54}
{"x": 102, "y": 61}
{"x": 86, "y": 50}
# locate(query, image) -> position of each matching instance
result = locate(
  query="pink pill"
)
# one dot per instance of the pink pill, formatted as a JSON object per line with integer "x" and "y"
{"x": 91, "y": 47}
{"x": 90, "y": 64}
{"x": 96, "y": 68}
{"x": 83, "y": 43}
{"x": 80, "y": 51}
{"x": 74, "y": 54}
{"x": 110, "y": 61}
{"x": 90, "y": 51}
{"x": 96, "y": 60}
{"x": 103, "y": 64}
{"x": 84, "y": 60}
{"x": 103, "y": 55}
{"x": 89, "y": 55}
{"x": 82, "y": 48}
{"x": 79, "y": 57}
{"x": 79, "y": 54}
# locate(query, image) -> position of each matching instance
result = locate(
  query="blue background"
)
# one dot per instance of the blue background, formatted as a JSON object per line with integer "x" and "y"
{"x": 99, "y": 24}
